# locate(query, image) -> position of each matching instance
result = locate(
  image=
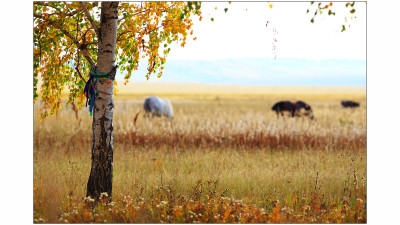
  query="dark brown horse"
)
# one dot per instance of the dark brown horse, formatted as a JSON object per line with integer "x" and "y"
{"x": 306, "y": 107}
{"x": 294, "y": 109}
{"x": 350, "y": 104}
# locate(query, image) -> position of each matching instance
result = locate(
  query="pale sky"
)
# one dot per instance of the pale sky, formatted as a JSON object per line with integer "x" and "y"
{"x": 242, "y": 33}
{"x": 236, "y": 48}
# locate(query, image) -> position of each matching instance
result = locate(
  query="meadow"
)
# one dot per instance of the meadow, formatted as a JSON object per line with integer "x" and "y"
{"x": 225, "y": 157}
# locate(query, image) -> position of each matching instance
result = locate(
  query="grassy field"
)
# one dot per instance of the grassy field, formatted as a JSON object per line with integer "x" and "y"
{"x": 225, "y": 157}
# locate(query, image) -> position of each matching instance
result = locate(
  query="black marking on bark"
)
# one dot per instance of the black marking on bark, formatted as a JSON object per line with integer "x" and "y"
{"x": 100, "y": 33}
{"x": 103, "y": 133}
{"x": 113, "y": 72}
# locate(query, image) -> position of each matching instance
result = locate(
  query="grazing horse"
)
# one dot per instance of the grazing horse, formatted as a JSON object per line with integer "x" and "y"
{"x": 294, "y": 109}
{"x": 158, "y": 107}
{"x": 350, "y": 104}
{"x": 282, "y": 106}
{"x": 306, "y": 107}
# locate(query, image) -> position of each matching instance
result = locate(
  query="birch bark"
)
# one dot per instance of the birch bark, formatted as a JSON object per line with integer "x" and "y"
{"x": 101, "y": 174}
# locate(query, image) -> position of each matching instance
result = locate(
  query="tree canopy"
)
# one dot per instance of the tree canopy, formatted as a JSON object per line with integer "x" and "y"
{"x": 66, "y": 36}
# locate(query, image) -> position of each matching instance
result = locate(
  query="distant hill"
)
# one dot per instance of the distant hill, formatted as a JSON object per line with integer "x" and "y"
{"x": 261, "y": 71}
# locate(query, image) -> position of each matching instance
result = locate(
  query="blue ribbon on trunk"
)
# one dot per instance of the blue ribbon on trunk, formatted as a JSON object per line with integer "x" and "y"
{"x": 90, "y": 90}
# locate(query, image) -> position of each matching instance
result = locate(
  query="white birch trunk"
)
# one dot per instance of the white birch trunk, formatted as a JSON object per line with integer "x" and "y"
{"x": 100, "y": 179}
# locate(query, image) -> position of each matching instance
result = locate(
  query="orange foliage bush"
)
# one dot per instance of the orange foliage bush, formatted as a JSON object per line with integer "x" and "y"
{"x": 206, "y": 206}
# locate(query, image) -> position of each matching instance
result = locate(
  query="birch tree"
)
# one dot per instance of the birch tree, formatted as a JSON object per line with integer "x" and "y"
{"x": 82, "y": 44}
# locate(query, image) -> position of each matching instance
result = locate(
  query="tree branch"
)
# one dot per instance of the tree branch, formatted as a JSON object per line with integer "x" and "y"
{"x": 57, "y": 9}
{"x": 89, "y": 17}
{"x": 145, "y": 11}
{"x": 120, "y": 35}
{"x": 66, "y": 33}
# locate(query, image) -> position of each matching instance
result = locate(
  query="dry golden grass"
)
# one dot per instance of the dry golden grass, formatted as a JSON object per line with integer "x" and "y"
{"x": 276, "y": 167}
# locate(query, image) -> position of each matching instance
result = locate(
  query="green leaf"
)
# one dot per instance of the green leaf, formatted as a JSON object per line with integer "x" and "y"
{"x": 343, "y": 28}
{"x": 226, "y": 9}
{"x": 308, "y": 10}
{"x": 352, "y": 11}
{"x": 212, "y": 19}
{"x": 312, "y": 20}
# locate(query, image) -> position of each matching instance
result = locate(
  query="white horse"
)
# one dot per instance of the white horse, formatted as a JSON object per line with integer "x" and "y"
{"x": 158, "y": 107}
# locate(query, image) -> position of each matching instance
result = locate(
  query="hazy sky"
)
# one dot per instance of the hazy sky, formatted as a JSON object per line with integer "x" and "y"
{"x": 241, "y": 34}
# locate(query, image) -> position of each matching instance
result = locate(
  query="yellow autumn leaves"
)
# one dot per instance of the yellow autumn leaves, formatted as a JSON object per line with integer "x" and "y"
{"x": 161, "y": 22}
{"x": 145, "y": 30}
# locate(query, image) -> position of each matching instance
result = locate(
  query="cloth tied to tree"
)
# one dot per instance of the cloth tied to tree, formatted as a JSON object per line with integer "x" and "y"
{"x": 90, "y": 89}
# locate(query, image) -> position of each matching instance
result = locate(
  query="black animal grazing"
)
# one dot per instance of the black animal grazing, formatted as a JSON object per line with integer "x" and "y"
{"x": 350, "y": 104}
{"x": 282, "y": 106}
{"x": 306, "y": 107}
{"x": 294, "y": 109}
